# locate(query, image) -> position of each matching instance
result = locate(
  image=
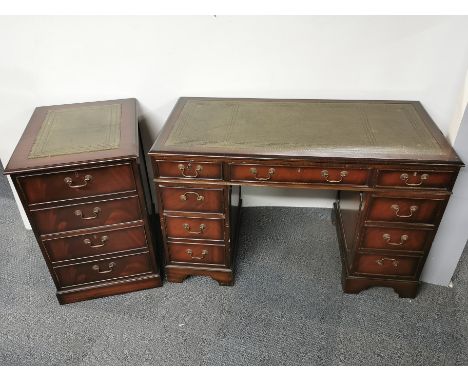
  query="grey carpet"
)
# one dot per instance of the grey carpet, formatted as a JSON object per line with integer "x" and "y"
{"x": 286, "y": 307}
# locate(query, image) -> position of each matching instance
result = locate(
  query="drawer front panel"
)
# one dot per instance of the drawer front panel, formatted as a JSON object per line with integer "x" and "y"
{"x": 77, "y": 183}
{"x": 192, "y": 199}
{"x": 93, "y": 271}
{"x": 404, "y": 266}
{"x": 196, "y": 253}
{"x": 86, "y": 245}
{"x": 324, "y": 175}
{"x": 189, "y": 170}
{"x": 194, "y": 228}
{"x": 404, "y": 210}
{"x": 415, "y": 179}
{"x": 87, "y": 215}
{"x": 395, "y": 239}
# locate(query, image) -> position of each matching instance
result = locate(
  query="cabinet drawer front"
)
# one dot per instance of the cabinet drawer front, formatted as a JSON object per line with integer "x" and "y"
{"x": 404, "y": 266}
{"x": 192, "y": 199}
{"x": 77, "y": 183}
{"x": 404, "y": 210}
{"x": 86, "y": 215}
{"x": 189, "y": 170}
{"x": 324, "y": 175}
{"x": 77, "y": 274}
{"x": 194, "y": 228}
{"x": 415, "y": 179}
{"x": 395, "y": 239}
{"x": 196, "y": 253}
{"x": 85, "y": 245}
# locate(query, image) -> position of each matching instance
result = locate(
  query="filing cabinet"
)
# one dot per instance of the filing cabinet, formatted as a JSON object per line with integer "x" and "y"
{"x": 80, "y": 173}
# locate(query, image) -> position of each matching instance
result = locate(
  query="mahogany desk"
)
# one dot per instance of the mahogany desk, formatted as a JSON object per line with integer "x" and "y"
{"x": 392, "y": 166}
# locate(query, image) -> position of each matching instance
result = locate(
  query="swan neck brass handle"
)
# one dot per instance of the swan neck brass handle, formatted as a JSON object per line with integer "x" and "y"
{"x": 69, "y": 182}
{"x": 383, "y": 259}
{"x": 184, "y": 196}
{"x": 396, "y": 208}
{"x": 96, "y": 212}
{"x": 325, "y": 175}
{"x": 204, "y": 253}
{"x": 422, "y": 178}
{"x": 110, "y": 268}
{"x": 104, "y": 239}
{"x": 387, "y": 238}
{"x": 189, "y": 229}
{"x": 254, "y": 172}
{"x": 182, "y": 168}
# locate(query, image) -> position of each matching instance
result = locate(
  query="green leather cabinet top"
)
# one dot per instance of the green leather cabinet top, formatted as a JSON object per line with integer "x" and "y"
{"x": 71, "y": 134}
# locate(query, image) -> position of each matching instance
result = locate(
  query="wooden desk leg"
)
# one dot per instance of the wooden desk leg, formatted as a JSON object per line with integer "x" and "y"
{"x": 179, "y": 274}
{"x": 354, "y": 285}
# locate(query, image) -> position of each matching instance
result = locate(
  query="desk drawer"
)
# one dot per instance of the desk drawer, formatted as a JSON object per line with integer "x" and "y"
{"x": 406, "y": 210}
{"x": 189, "y": 169}
{"x": 196, "y": 253}
{"x": 415, "y": 179}
{"x": 83, "y": 273}
{"x": 401, "y": 239}
{"x": 383, "y": 265}
{"x": 86, "y": 215}
{"x": 324, "y": 175}
{"x": 192, "y": 199}
{"x": 194, "y": 228}
{"x": 78, "y": 183}
{"x": 93, "y": 244}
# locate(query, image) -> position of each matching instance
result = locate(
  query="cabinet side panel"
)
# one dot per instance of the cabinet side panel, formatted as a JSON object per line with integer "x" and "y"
{"x": 350, "y": 207}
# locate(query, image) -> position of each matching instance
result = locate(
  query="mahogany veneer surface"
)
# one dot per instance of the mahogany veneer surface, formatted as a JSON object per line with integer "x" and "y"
{"x": 392, "y": 166}
{"x": 79, "y": 172}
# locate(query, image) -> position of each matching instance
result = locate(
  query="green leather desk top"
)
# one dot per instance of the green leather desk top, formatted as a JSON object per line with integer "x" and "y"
{"x": 371, "y": 129}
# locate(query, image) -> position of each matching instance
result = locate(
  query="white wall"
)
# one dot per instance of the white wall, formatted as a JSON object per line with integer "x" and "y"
{"x": 452, "y": 234}
{"x": 54, "y": 60}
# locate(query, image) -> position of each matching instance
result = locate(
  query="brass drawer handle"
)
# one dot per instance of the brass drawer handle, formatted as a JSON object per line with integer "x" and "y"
{"x": 200, "y": 198}
{"x": 203, "y": 254}
{"x": 254, "y": 171}
{"x": 188, "y": 229}
{"x": 110, "y": 266}
{"x": 383, "y": 259}
{"x": 342, "y": 175}
{"x": 104, "y": 239}
{"x": 387, "y": 238}
{"x": 86, "y": 179}
{"x": 396, "y": 208}
{"x": 405, "y": 177}
{"x": 198, "y": 169}
{"x": 96, "y": 212}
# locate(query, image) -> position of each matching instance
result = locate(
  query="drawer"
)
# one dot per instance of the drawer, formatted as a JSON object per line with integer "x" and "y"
{"x": 401, "y": 239}
{"x": 415, "y": 179}
{"x": 192, "y": 199}
{"x": 194, "y": 228}
{"x": 189, "y": 169}
{"x": 404, "y": 266}
{"x": 404, "y": 210}
{"x": 325, "y": 175}
{"x": 77, "y": 183}
{"x": 93, "y": 244}
{"x": 196, "y": 253}
{"x": 86, "y": 215}
{"x": 111, "y": 268}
